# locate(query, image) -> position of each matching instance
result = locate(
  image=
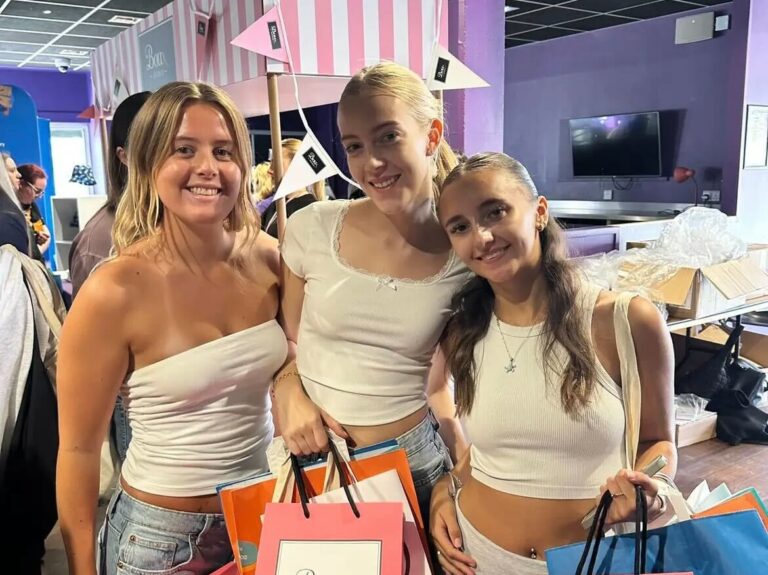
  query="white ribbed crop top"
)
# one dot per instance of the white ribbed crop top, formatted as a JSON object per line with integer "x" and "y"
{"x": 365, "y": 341}
{"x": 202, "y": 417}
{"x": 523, "y": 442}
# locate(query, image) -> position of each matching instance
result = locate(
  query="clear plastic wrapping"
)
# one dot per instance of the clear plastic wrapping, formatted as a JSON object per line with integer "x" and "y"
{"x": 698, "y": 237}
{"x": 689, "y": 407}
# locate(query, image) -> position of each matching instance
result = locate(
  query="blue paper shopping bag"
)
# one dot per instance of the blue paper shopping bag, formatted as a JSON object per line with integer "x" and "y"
{"x": 734, "y": 544}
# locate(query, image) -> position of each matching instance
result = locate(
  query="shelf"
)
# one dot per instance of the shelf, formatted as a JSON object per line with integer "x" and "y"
{"x": 755, "y": 305}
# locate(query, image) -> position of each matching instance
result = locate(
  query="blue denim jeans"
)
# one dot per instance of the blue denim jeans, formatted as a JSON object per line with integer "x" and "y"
{"x": 428, "y": 458}
{"x": 142, "y": 539}
{"x": 120, "y": 432}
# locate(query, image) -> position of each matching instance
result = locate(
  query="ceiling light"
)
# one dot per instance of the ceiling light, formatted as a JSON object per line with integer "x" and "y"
{"x": 508, "y": 9}
{"x": 128, "y": 20}
{"x": 46, "y": 12}
{"x": 69, "y": 52}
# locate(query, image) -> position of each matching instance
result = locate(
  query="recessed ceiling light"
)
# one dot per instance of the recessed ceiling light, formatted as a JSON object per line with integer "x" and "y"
{"x": 121, "y": 19}
{"x": 508, "y": 9}
{"x": 46, "y": 11}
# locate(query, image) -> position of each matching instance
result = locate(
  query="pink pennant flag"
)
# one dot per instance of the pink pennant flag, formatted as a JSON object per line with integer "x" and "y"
{"x": 264, "y": 37}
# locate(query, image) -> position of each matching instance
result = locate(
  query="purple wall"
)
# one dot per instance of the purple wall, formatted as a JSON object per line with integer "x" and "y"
{"x": 58, "y": 97}
{"x": 630, "y": 68}
{"x": 477, "y": 39}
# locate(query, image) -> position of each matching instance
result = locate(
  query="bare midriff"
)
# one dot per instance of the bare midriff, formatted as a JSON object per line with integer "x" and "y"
{"x": 195, "y": 504}
{"x": 363, "y": 435}
{"x": 523, "y": 525}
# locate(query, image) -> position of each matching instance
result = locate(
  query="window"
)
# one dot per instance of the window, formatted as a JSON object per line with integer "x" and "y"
{"x": 70, "y": 146}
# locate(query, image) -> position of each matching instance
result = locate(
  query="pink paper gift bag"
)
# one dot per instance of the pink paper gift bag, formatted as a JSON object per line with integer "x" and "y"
{"x": 331, "y": 539}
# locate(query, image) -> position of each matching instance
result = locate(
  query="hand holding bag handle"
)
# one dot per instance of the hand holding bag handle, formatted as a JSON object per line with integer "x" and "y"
{"x": 598, "y": 526}
{"x": 302, "y": 487}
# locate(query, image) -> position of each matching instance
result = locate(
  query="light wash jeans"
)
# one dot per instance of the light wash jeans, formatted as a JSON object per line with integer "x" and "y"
{"x": 428, "y": 458}
{"x": 142, "y": 539}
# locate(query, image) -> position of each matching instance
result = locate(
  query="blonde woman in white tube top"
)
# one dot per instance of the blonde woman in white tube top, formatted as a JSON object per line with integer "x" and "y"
{"x": 540, "y": 377}
{"x": 369, "y": 284}
{"x": 183, "y": 324}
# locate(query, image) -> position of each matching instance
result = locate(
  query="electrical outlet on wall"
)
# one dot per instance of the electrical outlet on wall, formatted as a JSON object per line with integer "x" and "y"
{"x": 712, "y": 196}
{"x": 607, "y": 194}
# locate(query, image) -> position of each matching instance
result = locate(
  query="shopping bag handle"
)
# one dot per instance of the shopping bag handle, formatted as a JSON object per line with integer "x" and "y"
{"x": 597, "y": 529}
{"x": 301, "y": 486}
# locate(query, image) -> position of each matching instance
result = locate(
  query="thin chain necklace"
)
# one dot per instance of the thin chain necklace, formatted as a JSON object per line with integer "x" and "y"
{"x": 512, "y": 365}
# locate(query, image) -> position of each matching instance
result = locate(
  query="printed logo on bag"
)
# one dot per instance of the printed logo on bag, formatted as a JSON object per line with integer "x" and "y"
{"x": 441, "y": 74}
{"x": 201, "y": 28}
{"x": 274, "y": 35}
{"x": 248, "y": 553}
{"x": 314, "y": 161}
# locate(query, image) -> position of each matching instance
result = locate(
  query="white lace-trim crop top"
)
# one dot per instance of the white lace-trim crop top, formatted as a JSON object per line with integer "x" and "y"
{"x": 365, "y": 341}
{"x": 202, "y": 417}
{"x": 523, "y": 442}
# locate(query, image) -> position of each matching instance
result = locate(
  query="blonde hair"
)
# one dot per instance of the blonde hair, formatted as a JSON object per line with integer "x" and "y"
{"x": 263, "y": 184}
{"x": 390, "y": 79}
{"x": 150, "y": 143}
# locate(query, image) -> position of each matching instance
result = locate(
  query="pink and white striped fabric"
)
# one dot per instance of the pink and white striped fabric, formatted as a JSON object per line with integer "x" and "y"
{"x": 326, "y": 37}
{"x": 338, "y": 37}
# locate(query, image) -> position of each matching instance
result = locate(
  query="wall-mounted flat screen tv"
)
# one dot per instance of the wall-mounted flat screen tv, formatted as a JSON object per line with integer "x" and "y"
{"x": 626, "y": 145}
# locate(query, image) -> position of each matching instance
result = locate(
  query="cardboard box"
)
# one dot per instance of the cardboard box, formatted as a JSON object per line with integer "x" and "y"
{"x": 758, "y": 253}
{"x": 701, "y": 429}
{"x": 692, "y": 293}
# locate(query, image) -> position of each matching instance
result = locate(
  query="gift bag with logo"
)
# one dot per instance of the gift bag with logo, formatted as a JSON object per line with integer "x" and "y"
{"x": 733, "y": 544}
{"x": 244, "y": 502}
{"x": 351, "y": 538}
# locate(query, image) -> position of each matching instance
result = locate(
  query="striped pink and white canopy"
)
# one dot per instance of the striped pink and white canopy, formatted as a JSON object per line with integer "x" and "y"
{"x": 326, "y": 38}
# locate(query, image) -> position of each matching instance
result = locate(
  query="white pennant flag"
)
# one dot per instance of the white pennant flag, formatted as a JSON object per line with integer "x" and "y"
{"x": 447, "y": 72}
{"x": 310, "y": 164}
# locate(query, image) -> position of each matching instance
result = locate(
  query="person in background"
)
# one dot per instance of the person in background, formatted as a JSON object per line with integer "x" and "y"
{"x": 293, "y": 201}
{"x": 13, "y": 226}
{"x": 368, "y": 287}
{"x": 31, "y": 187}
{"x": 539, "y": 372}
{"x": 181, "y": 322}
{"x": 263, "y": 186}
{"x": 12, "y": 171}
{"x": 94, "y": 242}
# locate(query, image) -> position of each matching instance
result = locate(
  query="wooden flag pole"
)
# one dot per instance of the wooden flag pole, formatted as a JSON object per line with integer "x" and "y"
{"x": 277, "y": 148}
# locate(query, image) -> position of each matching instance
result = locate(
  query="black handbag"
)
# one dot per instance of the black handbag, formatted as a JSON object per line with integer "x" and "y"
{"x": 722, "y": 373}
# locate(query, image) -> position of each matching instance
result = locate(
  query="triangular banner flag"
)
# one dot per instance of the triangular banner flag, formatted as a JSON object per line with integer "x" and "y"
{"x": 447, "y": 72}
{"x": 310, "y": 164}
{"x": 202, "y": 28}
{"x": 264, "y": 37}
{"x": 119, "y": 93}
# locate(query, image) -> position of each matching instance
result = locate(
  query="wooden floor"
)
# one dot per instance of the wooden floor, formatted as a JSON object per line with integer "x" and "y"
{"x": 738, "y": 466}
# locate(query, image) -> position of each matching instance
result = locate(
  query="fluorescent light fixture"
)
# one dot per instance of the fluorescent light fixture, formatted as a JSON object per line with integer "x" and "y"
{"x": 508, "y": 9}
{"x": 127, "y": 20}
{"x": 46, "y": 12}
{"x": 70, "y": 52}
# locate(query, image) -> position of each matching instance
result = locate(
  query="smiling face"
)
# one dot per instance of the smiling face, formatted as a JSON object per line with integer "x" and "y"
{"x": 200, "y": 181}
{"x": 491, "y": 220}
{"x": 389, "y": 153}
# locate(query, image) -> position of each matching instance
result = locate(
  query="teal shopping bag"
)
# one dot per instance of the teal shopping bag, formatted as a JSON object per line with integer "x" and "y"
{"x": 733, "y": 544}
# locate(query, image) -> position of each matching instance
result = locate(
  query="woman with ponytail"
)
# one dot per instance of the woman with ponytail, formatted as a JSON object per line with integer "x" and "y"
{"x": 369, "y": 285}
{"x": 539, "y": 370}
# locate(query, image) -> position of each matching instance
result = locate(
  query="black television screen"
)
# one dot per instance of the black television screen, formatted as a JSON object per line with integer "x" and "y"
{"x": 619, "y": 145}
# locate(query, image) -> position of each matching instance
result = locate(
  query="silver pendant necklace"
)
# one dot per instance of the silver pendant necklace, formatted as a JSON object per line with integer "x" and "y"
{"x": 512, "y": 365}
